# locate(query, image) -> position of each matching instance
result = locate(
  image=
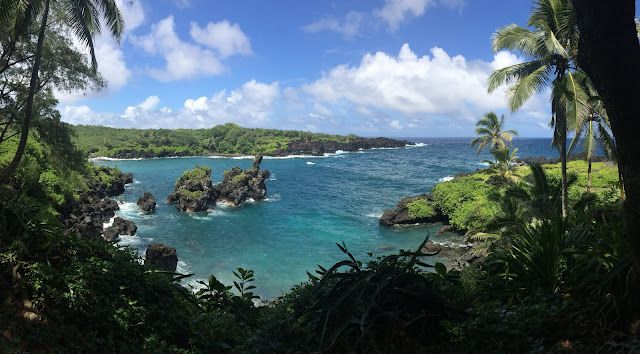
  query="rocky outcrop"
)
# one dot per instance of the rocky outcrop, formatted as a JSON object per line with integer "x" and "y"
{"x": 238, "y": 185}
{"x": 162, "y": 257}
{"x": 454, "y": 255}
{"x": 412, "y": 210}
{"x": 142, "y": 154}
{"x": 318, "y": 148}
{"x": 86, "y": 216}
{"x": 147, "y": 202}
{"x": 194, "y": 191}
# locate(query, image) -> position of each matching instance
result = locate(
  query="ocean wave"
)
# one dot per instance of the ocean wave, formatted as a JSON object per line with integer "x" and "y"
{"x": 415, "y": 145}
{"x": 134, "y": 241}
{"x": 445, "y": 179}
{"x": 273, "y": 198}
{"x": 310, "y": 163}
{"x": 272, "y": 177}
{"x": 108, "y": 223}
{"x": 483, "y": 164}
{"x": 376, "y": 215}
{"x": 104, "y": 158}
{"x": 182, "y": 267}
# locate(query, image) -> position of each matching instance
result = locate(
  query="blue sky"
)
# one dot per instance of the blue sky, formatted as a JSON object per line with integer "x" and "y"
{"x": 368, "y": 67}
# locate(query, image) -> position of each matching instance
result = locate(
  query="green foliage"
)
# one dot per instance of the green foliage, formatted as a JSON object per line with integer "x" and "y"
{"x": 421, "y": 209}
{"x": 194, "y": 176}
{"x": 465, "y": 201}
{"x": 221, "y": 139}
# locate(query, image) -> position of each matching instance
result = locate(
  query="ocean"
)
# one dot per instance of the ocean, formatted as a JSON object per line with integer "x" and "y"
{"x": 312, "y": 204}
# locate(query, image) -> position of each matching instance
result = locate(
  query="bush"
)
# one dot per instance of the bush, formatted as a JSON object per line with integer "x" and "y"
{"x": 421, "y": 208}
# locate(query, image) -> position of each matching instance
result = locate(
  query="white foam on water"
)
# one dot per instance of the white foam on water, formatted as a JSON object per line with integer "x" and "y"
{"x": 374, "y": 215}
{"x": 483, "y": 163}
{"x": 133, "y": 241}
{"x": 108, "y": 223}
{"x": 201, "y": 216}
{"x": 273, "y": 198}
{"x": 310, "y": 163}
{"x": 182, "y": 267}
{"x": 415, "y": 145}
{"x": 242, "y": 157}
{"x": 445, "y": 179}
{"x": 272, "y": 177}
{"x": 104, "y": 158}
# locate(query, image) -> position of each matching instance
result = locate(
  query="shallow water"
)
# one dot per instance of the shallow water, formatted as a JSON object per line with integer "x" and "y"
{"x": 312, "y": 203}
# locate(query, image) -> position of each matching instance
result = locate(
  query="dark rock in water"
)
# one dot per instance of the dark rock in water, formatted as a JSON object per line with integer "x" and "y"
{"x": 161, "y": 257}
{"x": 238, "y": 185}
{"x": 318, "y": 148}
{"x": 400, "y": 215}
{"x": 433, "y": 247}
{"x": 111, "y": 233}
{"x": 147, "y": 202}
{"x": 125, "y": 227}
{"x": 386, "y": 247}
{"x": 446, "y": 230}
{"x": 194, "y": 191}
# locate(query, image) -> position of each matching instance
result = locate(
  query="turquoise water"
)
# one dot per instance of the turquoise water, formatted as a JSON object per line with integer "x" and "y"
{"x": 312, "y": 203}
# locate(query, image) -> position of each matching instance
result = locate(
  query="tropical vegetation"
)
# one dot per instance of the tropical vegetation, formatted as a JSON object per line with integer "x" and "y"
{"x": 492, "y": 133}
{"x": 221, "y": 139}
{"x": 549, "y": 280}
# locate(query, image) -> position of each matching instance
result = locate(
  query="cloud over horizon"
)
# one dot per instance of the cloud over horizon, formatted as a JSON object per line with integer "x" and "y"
{"x": 382, "y": 93}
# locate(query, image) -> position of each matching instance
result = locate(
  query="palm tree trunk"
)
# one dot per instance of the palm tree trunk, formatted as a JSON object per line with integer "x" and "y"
{"x": 589, "y": 178}
{"x": 33, "y": 86}
{"x": 609, "y": 54}
{"x": 561, "y": 128}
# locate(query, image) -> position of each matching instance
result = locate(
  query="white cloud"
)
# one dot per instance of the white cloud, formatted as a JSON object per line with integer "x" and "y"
{"x": 183, "y": 60}
{"x": 251, "y": 105}
{"x": 226, "y": 38}
{"x": 395, "y": 124}
{"x": 349, "y": 27}
{"x": 395, "y": 11}
{"x": 439, "y": 84}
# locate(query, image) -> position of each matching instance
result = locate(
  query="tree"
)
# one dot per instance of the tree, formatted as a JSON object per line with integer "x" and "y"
{"x": 82, "y": 16}
{"x": 551, "y": 48}
{"x": 504, "y": 166}
{"x": 592, "y": 131}
{"x": 609, "y": 54}
{"x": 491, "y": 132}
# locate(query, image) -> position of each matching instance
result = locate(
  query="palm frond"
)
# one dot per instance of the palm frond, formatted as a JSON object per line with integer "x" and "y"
{"x": 526, "y": 86}
{"x": 505, "y": 75}
{"x": 514, "y": 38}
{"x": 113, "y": 18}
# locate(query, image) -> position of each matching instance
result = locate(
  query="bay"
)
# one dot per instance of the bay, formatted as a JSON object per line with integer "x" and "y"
{"x": 312, "y": 204}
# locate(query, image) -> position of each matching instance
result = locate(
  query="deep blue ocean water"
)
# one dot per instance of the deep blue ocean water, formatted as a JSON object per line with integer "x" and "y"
{"x": 312, "y": 203}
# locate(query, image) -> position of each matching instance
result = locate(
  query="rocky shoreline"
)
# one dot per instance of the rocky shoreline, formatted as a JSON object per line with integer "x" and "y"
{"x": 296, "y": 148}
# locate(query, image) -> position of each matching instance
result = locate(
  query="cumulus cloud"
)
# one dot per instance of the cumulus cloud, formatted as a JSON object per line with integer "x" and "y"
{"x": 405, "y": 94}
{"x": 349, "y": 27}
{"x": 250, "y": 106}
{"x": 436, "y": 84}
{"x": 111, "y": 62}
{"x": 226, "y": 38}
{"x": 184, "y": 60}
{"x": 395, "y": 11}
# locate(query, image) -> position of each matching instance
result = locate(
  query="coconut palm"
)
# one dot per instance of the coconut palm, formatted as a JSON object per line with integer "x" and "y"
{"x": 504, "y": 166}
{"x": 550, "y": 48}
{"x": 82, "y": 16}
{"x": 491, "y": 132}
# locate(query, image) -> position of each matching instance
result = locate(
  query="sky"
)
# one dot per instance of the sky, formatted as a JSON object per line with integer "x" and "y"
{"x": 396, "y": 68}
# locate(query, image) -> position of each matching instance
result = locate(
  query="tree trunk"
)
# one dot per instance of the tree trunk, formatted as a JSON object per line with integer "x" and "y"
{"x": 589, "y": 177}
{"x": 561, "y": 129}
{"x": 609, "y": 53}
{"x": 33, "y": 86}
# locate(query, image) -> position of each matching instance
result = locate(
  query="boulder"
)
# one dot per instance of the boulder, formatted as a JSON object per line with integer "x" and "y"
{"x": 147, "y": 202}
{"x": 161, "y": 257}
{"x": 194, "y": 191}
{"x": 402, "y": 215}
{"x": 125, "y": 227}
{"x": 238, "y": 185}
{"x": 111, "y": 233}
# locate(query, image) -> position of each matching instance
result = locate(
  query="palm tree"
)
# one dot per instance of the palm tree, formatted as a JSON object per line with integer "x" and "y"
{"x": 551, "y": 49}
{"x": 491, "y": 132}
{"x": 82, "y": 16}
{"x": 504, "y": 166}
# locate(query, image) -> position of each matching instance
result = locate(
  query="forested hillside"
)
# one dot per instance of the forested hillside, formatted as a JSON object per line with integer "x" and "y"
{"x": 221, "y": 139}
